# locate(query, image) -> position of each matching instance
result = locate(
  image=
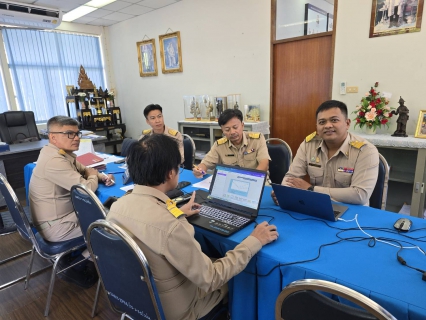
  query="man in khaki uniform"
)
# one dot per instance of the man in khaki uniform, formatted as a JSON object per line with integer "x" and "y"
{"x": 188, "y": 282}
{"x": 154, "y": 117}
{"x": 338, "y": 163}
{"x": 54, "y": 175}
{"x": 237, "y": 148}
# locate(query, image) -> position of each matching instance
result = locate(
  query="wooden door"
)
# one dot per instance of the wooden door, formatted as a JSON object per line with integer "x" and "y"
{"x": 301, "y": 81}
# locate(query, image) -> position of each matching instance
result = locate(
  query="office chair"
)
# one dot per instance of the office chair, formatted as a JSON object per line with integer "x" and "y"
{"x": 302, "y": 299}
{"x": 189, "y": 151}
{"x": 132, "y": 292}
{"x": 18, "y": 126}
{"x": 88, "y": 209}
{"x": 380, "y": 193}
{"x": 281, "y": 158}
{"x": 125, "y": 146}
{"x": 51, "y": 251}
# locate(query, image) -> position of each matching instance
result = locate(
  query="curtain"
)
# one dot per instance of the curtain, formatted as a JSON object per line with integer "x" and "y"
{"x": 42, "y": 63}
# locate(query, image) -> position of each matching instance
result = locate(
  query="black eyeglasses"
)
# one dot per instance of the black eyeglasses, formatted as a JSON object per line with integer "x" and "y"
{"x": 71, "y": 134}
{"x": 181, "y": 167}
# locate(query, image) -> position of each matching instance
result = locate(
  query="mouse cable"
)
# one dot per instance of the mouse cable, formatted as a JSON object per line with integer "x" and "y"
{"x": 263, "y": 215}
{"x": 404, "y": 263}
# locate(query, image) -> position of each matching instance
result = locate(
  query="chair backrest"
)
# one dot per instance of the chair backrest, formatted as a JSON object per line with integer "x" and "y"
{"x": 281, "y": 158}
{"x": 292, "y": 303}
{"x": 18, "y": 126}
{"x": 189, "y": 151}
{"x": 125, "y": 146}
{"x": 124, "y": 271}
{"x": 380, "y": 192}
{"x": 87, "y": 207}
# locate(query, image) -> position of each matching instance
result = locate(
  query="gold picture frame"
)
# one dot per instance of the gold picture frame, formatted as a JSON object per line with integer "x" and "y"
{"x": 421, "y": 125}
{"x": 69, "y": 88}
{"x": 171, "y": 52}
{"x": 147, "y": 58}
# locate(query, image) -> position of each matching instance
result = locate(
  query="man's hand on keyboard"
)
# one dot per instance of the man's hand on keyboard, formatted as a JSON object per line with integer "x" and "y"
{"x": 191, "y": 207}
{"x": 265, "y": 233}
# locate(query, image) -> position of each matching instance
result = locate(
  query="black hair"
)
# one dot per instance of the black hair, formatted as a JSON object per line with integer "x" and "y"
{"x": 228, "y": 114}
{"x": 151, "y": 159}
{"x": 151, "y": 107}
{"x": 61, "y": 121}
{"x": 333, "y": 104}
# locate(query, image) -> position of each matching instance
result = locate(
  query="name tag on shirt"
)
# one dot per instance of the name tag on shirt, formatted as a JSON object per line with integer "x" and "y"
{"x": 314, "y": 165}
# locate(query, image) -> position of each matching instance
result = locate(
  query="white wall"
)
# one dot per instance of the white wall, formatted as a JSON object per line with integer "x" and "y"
{"x": 225, "y": 49}
{"x": 397, "y": 62}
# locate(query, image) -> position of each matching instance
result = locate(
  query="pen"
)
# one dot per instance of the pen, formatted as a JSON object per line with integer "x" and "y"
{"x": 108, "y": 177}
{"x": 116, "y": 172}
{"x": 195, "y": 167}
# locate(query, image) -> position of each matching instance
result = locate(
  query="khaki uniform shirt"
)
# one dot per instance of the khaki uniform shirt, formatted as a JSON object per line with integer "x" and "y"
{"x": 54, "y": 174}
{"x": 253, "y": 149}
{"x": 170, "y": 133}
{"x": 349, "y": 176}
{"x": 188, "y": 282}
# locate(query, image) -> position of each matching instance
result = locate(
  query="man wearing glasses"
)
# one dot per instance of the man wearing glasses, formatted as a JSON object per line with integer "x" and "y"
{"x": 55, "y": 173}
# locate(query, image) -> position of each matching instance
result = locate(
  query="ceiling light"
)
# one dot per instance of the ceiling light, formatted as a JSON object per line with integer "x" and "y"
{"x": 77, "y": 13}
{"x": 98, "y": 3}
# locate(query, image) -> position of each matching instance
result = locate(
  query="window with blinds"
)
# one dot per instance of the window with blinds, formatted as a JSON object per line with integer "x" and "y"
{"x": 42, "y": 63}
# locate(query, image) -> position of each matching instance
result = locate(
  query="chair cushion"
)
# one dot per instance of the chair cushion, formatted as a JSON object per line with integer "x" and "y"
{"x": 15, "y": 119}
{"x": 57, "y": 247}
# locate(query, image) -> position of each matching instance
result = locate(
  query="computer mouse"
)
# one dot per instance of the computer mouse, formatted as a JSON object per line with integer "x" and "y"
{"x": 403, "y": 224}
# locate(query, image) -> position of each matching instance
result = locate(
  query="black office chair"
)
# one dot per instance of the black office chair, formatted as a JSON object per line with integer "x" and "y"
{"x": 380, "y": 193}
{"x": 131, "y": 292}
{"x": 281, "y": 158}
{"x": 88, "y": 209}
{"x": 189, "y": 151}
{"x": 18, "y": 126}
{"x": 125, "y": 146}
{"x": 302, "y": 300}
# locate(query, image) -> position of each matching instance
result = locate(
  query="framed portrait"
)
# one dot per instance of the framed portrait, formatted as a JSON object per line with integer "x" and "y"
{"x": 421, "y": 125}
{"x": 315, "y": 20}
{"x": 171, "y": 53}
{"x": 147, "y": 58}
{"x": 69, "y": 88}
{"x": 389, "y": 17}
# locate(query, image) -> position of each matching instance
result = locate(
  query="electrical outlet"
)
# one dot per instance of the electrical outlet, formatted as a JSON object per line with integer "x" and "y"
{"x": 351, "y": 89}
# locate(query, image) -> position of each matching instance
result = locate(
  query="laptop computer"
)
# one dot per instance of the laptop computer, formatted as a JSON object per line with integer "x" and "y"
{"x": 233, "y": 200}
{"x": 315, "y": 204}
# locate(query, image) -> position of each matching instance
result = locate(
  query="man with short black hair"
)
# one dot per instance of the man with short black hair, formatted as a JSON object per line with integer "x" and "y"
{"x": 339, "y": 163}
{"x": 237, "y": 148}
{"x": 154, "y": 118}
{"x": 189, "y": 284}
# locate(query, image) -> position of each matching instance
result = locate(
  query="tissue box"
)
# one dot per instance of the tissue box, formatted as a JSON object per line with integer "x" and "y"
{"x": 4, "y": 147}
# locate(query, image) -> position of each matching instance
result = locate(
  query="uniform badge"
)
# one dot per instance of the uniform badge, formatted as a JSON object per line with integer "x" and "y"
{"x": 345, "y": 169}
{"x": 250, "y": 151}
{"x": 313, "y": 159}
{"x": 317, "y": 160}
{"x": 175, "y": 211}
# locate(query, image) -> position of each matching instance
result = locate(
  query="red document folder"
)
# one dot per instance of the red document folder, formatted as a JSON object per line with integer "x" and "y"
{"x": 88, "y": 159}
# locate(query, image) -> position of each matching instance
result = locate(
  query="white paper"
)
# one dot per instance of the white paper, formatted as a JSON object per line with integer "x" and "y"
{"x": 96, "y": 164}
{"x": 406, "y": 210}
{"x": 108, "y": 158}
{"x": 86, "y": 146}
{"x": 205, "y": 184}
{"x": 127, "y": 188}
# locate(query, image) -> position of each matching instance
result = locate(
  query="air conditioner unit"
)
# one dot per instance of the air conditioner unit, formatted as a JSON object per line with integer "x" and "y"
{"x": 28, "y": 15}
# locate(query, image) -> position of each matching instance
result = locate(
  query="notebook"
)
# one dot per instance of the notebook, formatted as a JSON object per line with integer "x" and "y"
{"x": 315, "y": 204}
{"x": 88, "y": 159}
{"x": 233, "y": 200}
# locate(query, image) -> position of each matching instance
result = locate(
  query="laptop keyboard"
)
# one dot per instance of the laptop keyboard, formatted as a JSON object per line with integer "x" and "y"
{"x": 223, "y": 216}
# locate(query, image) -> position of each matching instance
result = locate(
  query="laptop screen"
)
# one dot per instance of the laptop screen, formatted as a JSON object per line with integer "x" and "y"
{"x": 238, "y": 186}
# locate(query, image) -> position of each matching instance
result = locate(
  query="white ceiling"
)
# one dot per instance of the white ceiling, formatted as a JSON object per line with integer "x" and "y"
{"x": 115, "y": 12}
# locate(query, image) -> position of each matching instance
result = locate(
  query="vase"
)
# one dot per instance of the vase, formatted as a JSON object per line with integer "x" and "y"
{"x": 370, "y": 130}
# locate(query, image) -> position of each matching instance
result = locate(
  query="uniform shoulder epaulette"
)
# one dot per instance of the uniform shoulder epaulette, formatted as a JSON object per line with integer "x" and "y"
{"x": 222, "y": 141}
{"x": 175, "y": 211}
{"x": 311, "y": 136}
{"x": 254, "y": 135}
{"x": 357, "y": 144}
{"x": 147, "y": 131}
{"x": 173, "y": 132}
{"x": 62, "y": 152}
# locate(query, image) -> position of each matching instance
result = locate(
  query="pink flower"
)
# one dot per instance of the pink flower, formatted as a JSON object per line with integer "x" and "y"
{"x": 358, "y": 107}
{"x": 389, "y": 115}
{"x": 367, "y": 94}
{"x": 369, "y": 116}
{"x": 373, "y": 110}
{"x": 387, "y": 108}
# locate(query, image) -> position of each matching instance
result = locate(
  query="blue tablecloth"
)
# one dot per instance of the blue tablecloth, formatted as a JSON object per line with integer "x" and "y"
{"x": 372, "y": 270}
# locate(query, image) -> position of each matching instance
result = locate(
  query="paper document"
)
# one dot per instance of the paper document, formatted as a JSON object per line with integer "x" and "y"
{"x": 205, "y": 184}
{"x": 127, "y": 188}
{"x": 86, "y": 146}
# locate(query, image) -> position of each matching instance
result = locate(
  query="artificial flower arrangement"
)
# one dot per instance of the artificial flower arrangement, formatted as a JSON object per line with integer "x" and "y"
{"x": 111, "y": 95}
{"x": 82, "y": 96}
{"x": 374, "y": 111}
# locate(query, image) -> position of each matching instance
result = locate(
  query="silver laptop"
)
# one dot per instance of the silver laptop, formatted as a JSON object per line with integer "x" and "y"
{"x": 315, "y": 204}
{"x": 233, "y": 200}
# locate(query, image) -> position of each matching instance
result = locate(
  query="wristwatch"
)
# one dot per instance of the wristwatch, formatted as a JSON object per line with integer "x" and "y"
{"x": 311, "y": 188}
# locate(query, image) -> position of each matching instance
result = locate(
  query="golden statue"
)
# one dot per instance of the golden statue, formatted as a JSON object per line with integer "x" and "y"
{"x": 83, "y": 80}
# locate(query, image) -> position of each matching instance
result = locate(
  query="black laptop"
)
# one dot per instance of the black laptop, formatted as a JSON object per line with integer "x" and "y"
{"x": 315, "y": 204}
{"x": 233, "y": 200}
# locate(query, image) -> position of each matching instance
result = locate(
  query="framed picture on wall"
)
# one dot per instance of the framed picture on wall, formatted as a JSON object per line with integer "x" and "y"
{"x": 421, "y": 125}
{"x": 147, "y": 58}
{"x": 315, "y": 19}
{"x": 171, "y": 53}
{"x": 389, "y": 17}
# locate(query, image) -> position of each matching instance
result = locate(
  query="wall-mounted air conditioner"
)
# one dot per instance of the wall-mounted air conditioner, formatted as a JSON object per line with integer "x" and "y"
{"x": 28, "y": 15}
